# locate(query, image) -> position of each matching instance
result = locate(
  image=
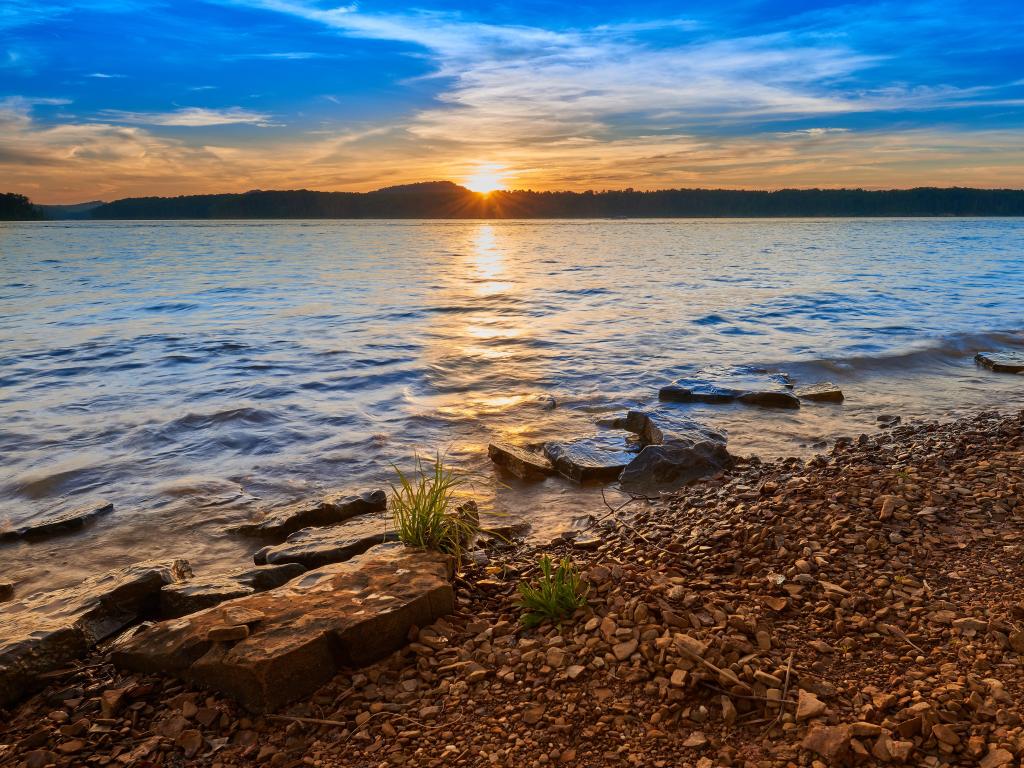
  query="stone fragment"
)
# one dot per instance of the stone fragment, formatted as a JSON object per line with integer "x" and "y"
{"x": 642, "y": 425}
{"x": 1001, "y": 362}
{"x": 46, "y": 631}
{"x": 331, "y": 509}
{"x": 64, "y": 522}
{"x": 345, "y": 614}
{"x": 822, "y": 392}
{"x": 625, "y": 649}
{"x": 692, "y": 452}
{"x": 808, "y": 705}
{"x": 830, "y": 741}
{"x": 521, "y": 462}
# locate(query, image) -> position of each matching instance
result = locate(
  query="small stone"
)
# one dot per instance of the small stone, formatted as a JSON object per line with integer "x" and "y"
{"x": 624, "y": 650}
{"x": 71, "y": 747}
{"x": 695, "y": 740}
{"x": 189, "y": 741}
{"x": 830, "y": 741}
{"x": 996, "y": 758}
{"x": 945, "y": 734}
{"x": 678, "y": 679}
{"x": 226, "y": 634}
{"x": 533, "y": 715}
{"x": 808, "y": 705}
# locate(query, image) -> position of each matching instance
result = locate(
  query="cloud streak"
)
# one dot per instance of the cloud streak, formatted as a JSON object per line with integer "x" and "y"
{"x": 191, "y": 117}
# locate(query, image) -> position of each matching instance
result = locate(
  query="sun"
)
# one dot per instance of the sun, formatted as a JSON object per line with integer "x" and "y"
{"x": 486, "y": 179}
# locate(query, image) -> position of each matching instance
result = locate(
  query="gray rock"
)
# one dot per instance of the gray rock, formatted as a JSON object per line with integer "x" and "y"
{"x": 691, "y": 454}
{"x": 521, "y": 462}
{"x": 698, "y": 393}
{"x": 590, "y": 459}
{"x": 823, "y": 392}
{"x": 642, "y": 425}
{"x": 1001, "y": 362}
{"x": 47, "y": 631}
{"x": 73, "y": 520}
{"x": 316, "y": 547}
{"x": 333, "y": 508}
{"x": 753, "y": 386}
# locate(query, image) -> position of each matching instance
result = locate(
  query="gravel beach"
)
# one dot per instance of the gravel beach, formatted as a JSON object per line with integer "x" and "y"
{"x": 863, "y": 607}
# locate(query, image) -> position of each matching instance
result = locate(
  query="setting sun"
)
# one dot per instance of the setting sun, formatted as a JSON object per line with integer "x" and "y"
{"x": 486, "y": 179}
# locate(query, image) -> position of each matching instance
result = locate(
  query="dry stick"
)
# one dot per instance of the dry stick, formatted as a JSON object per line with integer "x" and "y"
{"x": 740, "y": 695}
{"x": 785, "y": 690}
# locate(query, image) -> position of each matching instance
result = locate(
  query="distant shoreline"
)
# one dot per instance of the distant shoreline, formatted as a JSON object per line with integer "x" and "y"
{"x": 448, "y": 201}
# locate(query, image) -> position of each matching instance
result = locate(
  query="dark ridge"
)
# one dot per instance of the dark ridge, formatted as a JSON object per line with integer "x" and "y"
{"x": 15, "y": 207}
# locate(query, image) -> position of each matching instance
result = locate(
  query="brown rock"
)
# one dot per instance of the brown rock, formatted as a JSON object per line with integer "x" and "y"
{"x": 339, "y": 615}
{"x": 227, "y": 633}
{"x": 331, "y": 509}
{"x": 808, "y": 705}
{"x": 521, "y": 462}
{"x": 47, "y": 631}
{"x": 996, "y": 758}
{"x": 624, "y": 650}
{"x": 190, "y": 742}
{"x": 830, "y": 741}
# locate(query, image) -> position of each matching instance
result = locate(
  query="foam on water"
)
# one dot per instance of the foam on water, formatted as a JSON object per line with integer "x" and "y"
{"x": 192, "y": 371}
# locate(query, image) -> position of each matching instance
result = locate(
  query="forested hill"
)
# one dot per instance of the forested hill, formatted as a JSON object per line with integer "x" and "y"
{"x": 445, "y": 200}
{"x": 17, "y": 208}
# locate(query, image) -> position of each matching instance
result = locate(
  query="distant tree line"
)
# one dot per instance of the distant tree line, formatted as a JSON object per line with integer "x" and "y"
{"x": 445, "y": 200}
{"x": 14, "y": 207}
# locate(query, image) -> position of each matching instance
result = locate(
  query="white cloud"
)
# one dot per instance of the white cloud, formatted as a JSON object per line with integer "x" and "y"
{"x": 104, "y": 76}
{"x": 190, "y": 117}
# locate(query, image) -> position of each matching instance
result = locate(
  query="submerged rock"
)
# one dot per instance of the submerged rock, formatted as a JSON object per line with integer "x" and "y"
{"x": 521, "y": 462}
{"x": 331, "y": 509}
{"x": 590, "y": 459}
{"x": 198, "y": 594}
{"x": 299, "y": 636}
{"x": 770, "y": 399}
{"x": 316, "y": 547}
{"x": 73, "y": 520}
{"x": 823, "y": 392}
{"x": 697, "y": 393}
{"x": 47, "y": 631}
{"x": 1001, "y": 362}
{"x": 694, "y": 452}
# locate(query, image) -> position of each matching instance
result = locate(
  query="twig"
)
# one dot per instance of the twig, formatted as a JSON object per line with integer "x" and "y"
{"x": 785, "y": 690}
{"x": 740, "y": 695}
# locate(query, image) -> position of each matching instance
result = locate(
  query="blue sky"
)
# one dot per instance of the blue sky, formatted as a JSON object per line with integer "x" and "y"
{"x": 108, "y": 98}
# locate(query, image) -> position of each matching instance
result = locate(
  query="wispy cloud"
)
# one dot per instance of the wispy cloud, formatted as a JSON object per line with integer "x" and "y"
{"x": 282, "y": 56}
{"x": 191, "y": 117}
{"x": 105, "y": 76}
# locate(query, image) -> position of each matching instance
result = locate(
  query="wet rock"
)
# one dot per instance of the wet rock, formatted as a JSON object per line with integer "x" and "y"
{"x": 47, "y": 631}
{"x": 331, "y": 509}
{"x": 1001, "y": 362}
{"x": 689, "y": 454}
{"x": 822, "y": 392}
{"x": 301, "y": 634}
{"x": 641, "y": 425}
{"x": 697, "y": 393}
{"x": 593, "y": 459}
{"x": 521, "y": 462}
{"x": 770, "y": 399}
{"x": 316, "y": 547}
{"x": 65, "y": 522}
{"x": 198, "y": 594}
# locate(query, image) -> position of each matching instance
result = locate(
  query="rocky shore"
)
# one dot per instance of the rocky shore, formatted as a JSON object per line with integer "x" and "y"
{"x": 864, "y": 607}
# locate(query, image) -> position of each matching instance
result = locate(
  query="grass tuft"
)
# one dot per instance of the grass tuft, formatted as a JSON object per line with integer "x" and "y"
{"x": 421, "y": 509}
{"x": 558, "y": 593}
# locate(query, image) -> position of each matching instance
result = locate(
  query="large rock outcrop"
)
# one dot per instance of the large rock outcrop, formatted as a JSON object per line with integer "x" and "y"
{"x": 689, "y": 453}
{"x": 47, "y": 631}
{"x": 278, "y": 646}
{"x": 331, "y": 509}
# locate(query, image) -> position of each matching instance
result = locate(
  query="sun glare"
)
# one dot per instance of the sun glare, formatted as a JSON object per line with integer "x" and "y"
{"x": 486, "y": 179}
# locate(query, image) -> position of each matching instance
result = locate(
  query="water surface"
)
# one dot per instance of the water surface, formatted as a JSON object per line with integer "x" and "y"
{"x": 191, "y": 372}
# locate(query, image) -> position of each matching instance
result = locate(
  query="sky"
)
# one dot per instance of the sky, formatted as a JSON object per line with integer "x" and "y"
{"x": 102, "y": 99}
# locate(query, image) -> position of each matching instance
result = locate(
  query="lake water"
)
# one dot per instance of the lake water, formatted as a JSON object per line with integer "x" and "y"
{"x": 193, "y": 372}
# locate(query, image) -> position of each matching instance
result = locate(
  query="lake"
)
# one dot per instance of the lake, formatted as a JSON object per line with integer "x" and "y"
{"x": 193, "y": 372}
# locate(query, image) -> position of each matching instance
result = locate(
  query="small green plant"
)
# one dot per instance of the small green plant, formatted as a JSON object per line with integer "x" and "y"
{"x": 555, "y": 596}
{"x": 421, "y": 509}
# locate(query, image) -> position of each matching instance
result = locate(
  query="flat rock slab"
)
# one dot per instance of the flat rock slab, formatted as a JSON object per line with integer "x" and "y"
{"x": 597, "y": 459}
{"x": 1001, "y": 362}
{"x": 331, "y": 509}
{"x": 289, "y": 641}
{"x": 751, "y": 386}
{"x": 822, "y": 392}
{"x": 317, "y": 547}
{"x": 65, "y": 522}
{"x": 198, "y": 594}
{"x": 521, "y": 462}
{"x": 47, "y": 631}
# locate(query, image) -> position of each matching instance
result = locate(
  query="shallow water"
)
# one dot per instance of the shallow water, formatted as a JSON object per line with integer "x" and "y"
{"x": 192, "y": 372}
